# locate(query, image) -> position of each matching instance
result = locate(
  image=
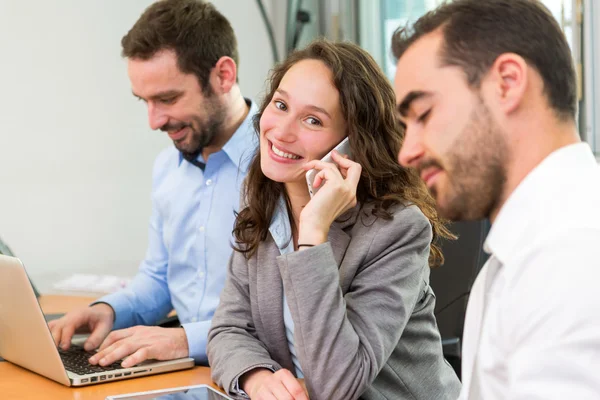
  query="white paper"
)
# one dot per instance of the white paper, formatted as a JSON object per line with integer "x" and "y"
{"x": 92, "y": 283}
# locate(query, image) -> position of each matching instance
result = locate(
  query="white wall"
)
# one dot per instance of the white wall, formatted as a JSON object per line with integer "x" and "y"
{"x": 75, "y": 149}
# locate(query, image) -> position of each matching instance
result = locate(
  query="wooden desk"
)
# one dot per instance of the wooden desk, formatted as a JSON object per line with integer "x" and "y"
{"x": 17, "y": 383}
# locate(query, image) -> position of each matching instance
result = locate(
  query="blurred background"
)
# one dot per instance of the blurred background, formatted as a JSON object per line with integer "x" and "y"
{"x": 76, "y": 151}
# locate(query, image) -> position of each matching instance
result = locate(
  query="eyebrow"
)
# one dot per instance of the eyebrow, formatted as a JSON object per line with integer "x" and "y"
{"x": 404, "y": 105}
{"x": 160, "y": 95}
{"x": 310, "y": 106}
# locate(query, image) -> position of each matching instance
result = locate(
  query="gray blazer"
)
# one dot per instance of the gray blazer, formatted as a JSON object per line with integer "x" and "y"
{"x": 362, "y": 310}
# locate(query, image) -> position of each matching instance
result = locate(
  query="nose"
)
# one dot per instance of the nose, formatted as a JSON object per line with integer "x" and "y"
{"x": 287, "y": 130}
{"x": 411, "y": 151}
{"x": 156, "y": 118}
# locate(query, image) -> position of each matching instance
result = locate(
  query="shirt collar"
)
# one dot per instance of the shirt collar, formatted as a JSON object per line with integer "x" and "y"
{"x": 280, "y": 227}
{"x": 242, "y": 144}
{"x": 519, "y": 220}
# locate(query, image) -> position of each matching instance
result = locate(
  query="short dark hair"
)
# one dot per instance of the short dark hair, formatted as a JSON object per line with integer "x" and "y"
{"x": 476, "y": 32}
{"x": 197, "y": 33}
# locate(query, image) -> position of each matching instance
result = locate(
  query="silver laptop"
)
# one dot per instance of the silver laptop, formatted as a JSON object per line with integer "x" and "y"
{"x": 25, "y": 338}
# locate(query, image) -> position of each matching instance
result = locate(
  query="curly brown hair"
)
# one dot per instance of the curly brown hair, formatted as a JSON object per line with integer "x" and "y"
{"x": 367, "y": 102}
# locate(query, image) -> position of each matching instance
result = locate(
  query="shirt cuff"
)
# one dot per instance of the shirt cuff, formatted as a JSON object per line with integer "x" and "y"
{"x": 197, "y": 337}
{"x": 122, "y": 308}
{"x": 236, "y": 390}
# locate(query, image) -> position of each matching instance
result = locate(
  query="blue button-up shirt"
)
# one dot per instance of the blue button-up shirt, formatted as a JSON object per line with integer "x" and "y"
{"x": 189, "y": 241}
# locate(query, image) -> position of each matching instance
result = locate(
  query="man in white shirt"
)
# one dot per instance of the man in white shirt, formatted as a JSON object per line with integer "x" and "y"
{"x": 488, "y": 94}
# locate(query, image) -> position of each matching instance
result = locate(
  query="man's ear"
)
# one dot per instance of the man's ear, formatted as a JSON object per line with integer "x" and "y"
{"x": 225, "y": 74}
{"x": 507, "y": 81}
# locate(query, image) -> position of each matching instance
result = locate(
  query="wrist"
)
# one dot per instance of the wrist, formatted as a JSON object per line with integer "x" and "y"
{"x": 312, "y": 237}
{"x": 249, "y": 380}
{"x": 183, "y": 341}
{"x": 105, "y": 308}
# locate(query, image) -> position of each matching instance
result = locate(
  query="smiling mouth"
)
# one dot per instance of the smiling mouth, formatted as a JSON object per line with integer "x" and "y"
{"x": 428, "y": 175}
{"x": 177, "y": 135}
{"x": 283, "y": 154}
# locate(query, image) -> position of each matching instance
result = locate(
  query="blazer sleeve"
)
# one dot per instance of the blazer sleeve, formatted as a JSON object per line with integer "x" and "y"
{"x": 343, "y": 341}
{"x": 233, "y": 344}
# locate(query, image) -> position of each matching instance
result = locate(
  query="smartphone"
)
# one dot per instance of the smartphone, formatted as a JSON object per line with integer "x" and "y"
{"x": 343, "y": 148}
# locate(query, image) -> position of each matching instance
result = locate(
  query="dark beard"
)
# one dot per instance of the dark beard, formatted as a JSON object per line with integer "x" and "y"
{"x": 205, "y": 132}
{"x": 476, "y": 170}
{"x": 202, "y": 139}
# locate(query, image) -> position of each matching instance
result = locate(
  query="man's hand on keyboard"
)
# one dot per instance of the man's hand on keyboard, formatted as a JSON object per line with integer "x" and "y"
{"x": 96, "y": 320}
{"x": 141, "y": 343}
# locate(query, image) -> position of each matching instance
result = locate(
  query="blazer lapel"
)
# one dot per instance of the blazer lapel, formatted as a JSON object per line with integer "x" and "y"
{"x": 338, "y": 238}
{"x": 269, "y": 287}
{"x": 339, "y": 242}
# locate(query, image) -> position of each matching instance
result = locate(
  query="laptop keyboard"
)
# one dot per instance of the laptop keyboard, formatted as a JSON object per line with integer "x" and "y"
{"x": 76, "y": 360}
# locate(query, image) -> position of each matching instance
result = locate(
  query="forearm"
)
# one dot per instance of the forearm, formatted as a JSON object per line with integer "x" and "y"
{"x": 343, "y": 341}
{"x": 328, "y": 346}
{"x": 144, "y": 302}
{"x": 233, "y": 344}
{"x": 232, "y": 353}
{"x": 147, "y": 298}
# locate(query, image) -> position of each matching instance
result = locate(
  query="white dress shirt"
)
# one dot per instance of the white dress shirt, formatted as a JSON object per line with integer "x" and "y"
{"x": 532, "y": 329}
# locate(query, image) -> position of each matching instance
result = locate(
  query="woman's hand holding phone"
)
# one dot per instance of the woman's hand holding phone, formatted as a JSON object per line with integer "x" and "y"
{"x": 337, "y": 196}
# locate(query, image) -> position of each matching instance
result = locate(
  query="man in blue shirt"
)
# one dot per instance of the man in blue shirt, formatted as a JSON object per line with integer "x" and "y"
{"x": 182, "y": 62}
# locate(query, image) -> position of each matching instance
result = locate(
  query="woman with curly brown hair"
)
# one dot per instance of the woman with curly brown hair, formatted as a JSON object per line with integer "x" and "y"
{"x": 334, "y": 288}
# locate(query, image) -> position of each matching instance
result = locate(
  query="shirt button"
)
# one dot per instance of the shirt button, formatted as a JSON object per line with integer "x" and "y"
{"x": 201, "y": 274}
{"x": 194, "y": 319}
{"x": 201, "y": 229}
{"x": 209, "y": 182}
